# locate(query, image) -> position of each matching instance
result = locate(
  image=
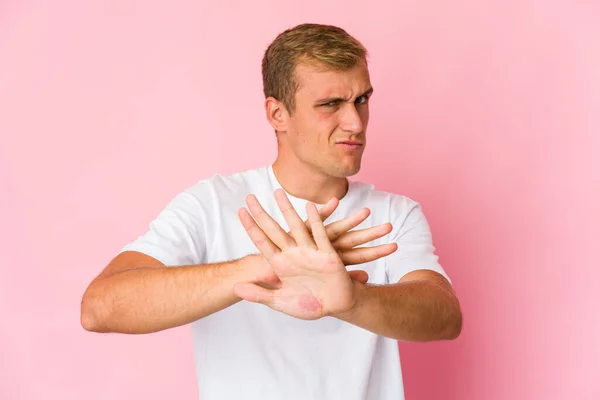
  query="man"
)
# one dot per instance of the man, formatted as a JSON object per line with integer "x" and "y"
{"x": 278, "y": 308}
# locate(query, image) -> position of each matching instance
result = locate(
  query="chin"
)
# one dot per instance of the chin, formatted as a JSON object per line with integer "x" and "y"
{"x": 353, "y": 172}
{"x": 347, "y": 170}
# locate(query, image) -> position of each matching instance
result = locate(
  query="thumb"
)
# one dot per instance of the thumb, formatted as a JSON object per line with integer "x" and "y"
{"x": 254, "y": 293}
{"x": 359, "y": 275}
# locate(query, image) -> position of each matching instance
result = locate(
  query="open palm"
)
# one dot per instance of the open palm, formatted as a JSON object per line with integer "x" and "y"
{"x": 314, "y": 280}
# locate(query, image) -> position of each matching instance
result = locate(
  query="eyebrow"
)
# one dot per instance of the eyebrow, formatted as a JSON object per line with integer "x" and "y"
{"x": 368, "y": 92}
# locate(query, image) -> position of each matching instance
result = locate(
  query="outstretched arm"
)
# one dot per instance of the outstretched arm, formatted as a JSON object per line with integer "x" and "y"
{"x": 421, "y": 307}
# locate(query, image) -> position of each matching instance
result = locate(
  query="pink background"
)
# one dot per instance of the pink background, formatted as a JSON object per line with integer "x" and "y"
{"x": 488, "y": 113}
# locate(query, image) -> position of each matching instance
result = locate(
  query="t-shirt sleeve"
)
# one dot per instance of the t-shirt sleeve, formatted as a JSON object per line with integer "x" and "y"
{"x": 177, "y": 236}
{"x": 412, "y": 233}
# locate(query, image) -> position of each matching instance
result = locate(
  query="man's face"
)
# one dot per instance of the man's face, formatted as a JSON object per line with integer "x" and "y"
{"x": 327, "y": 129}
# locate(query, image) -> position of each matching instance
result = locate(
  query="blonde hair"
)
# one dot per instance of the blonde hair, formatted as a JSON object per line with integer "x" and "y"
{"x": 324, "y": 46}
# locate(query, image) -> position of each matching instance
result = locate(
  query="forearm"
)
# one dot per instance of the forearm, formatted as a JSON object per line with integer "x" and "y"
{"x": 415, "y": 311}
{"x": 151, "y": 299}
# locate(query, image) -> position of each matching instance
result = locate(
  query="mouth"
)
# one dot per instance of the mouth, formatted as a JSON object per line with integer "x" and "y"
{"x": 350, "y": 144}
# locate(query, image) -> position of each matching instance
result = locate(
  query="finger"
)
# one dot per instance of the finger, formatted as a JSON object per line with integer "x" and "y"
{"x": 338, "y": 228}
{"x": 269, "y": 226}
{"x": 258, "y": 237}
{"x": 295, "y": 223}
{"x": 367, "y": 254}
{"x": 318, "y": 230}
{"x": 352, "y": 239}
{"x": 328, "y": 208}
{"x": 325, "y": 211}
{"x": 254, "y": 293}
{"x": 359, "y": 275}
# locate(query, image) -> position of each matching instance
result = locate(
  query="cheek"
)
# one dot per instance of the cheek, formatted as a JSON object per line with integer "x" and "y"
{"x": 326, "y": 128}
{"x": 316, "y": 128}
{"x": 326, "y": 123}
{"x": 364, "y": 115}
{"x": 326, "y": 118}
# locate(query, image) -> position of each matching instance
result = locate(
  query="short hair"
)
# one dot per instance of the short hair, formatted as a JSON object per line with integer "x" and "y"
{"x": 325, "y": 46}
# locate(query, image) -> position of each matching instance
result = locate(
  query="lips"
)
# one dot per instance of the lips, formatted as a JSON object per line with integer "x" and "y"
{"x": 350, "y": 145}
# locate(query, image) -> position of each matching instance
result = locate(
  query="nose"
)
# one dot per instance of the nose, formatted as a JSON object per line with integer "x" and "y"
{"x": 350, "y": 119}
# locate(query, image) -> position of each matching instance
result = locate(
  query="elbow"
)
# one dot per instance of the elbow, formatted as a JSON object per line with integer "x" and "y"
{"x": 454, "y": 325}
{"x": 91, "y": 316}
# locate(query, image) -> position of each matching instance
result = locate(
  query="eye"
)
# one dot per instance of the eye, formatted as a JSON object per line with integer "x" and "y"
{"x": 330, "y": 104}
{"x": 361, "y": 100}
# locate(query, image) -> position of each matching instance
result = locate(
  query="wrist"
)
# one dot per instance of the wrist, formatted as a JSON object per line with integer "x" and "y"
{"x": 245, "y": 268}
{"x": 255, "y": 268}
{"x": 359, "y": 291}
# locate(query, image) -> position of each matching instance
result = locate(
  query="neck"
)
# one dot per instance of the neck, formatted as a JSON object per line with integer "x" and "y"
{"x": 305, "y": 182}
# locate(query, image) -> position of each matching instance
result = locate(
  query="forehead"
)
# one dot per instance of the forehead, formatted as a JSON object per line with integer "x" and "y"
{"x": 320, "y": 82}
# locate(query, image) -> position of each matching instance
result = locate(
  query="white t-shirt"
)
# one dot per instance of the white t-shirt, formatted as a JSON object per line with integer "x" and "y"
{"x": 249, "y": 351}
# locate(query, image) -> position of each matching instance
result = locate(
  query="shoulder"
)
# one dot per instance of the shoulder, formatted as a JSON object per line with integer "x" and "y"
{"x": 399, "y": 205}
{"x": 405, "y": 213}
{"x": 221, "y": 187}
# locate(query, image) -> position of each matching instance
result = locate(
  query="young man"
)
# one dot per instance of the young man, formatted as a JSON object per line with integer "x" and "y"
{"x": 291, "y": 317}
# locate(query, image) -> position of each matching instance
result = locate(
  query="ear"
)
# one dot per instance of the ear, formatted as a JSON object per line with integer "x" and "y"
{"x": 277, "y": 114}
